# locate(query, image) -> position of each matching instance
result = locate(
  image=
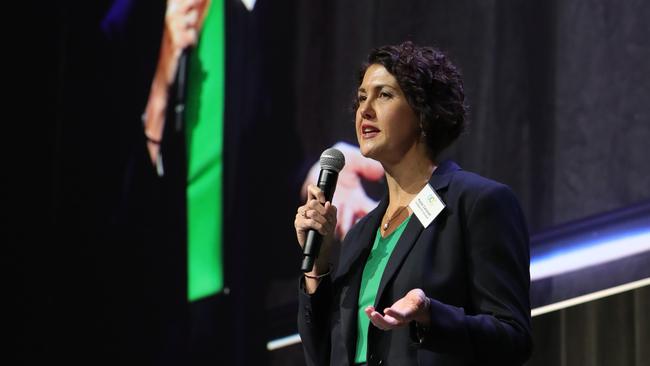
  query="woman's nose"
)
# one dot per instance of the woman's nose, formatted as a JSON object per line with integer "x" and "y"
{"x": 366, "y": 110}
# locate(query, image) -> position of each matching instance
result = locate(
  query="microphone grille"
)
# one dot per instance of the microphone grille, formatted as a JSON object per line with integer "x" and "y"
{"x": 332, "y": 159}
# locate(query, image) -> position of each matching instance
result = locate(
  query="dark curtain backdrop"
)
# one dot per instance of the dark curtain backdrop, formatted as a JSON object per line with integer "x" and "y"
{"x": 558, "y": 92}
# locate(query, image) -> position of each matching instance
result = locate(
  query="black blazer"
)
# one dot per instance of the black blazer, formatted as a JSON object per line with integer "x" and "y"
{"x": 472, "y": 261}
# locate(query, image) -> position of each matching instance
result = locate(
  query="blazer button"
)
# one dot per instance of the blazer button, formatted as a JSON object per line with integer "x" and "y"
{"x": 380, "y": 362}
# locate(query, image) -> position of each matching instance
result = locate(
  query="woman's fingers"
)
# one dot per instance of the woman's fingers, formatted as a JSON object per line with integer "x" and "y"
{"x": 314, "y": 209}
{"x": 191, "y": 18}
{"x": 413, "y": 306}
{"x": 313, "y": 215}
{"x": 315, "y": 205}
{"x": 181, "y": 6}
{"x": 313, "y": 192}
{"x": 323, "y": 218}
{"x": 383, "y": 322}
{"x": 320, "y": 209}
{"x": 400, "y": 317}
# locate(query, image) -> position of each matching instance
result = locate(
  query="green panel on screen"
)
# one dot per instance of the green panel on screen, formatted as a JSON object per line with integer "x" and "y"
{"x": 204, "y": 133}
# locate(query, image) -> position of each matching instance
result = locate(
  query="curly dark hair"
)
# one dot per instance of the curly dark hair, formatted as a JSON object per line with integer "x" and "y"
{"x": 433, "y": 88}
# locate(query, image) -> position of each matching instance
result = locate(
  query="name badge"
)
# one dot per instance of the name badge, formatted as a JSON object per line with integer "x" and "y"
{"x": 427, "y": 205}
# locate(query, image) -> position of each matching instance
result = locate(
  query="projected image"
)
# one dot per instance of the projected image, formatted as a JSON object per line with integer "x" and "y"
{"x": 196, "y": 25}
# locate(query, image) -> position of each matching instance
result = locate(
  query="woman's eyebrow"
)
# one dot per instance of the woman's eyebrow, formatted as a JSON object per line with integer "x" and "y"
{"x": 377, "y": 86}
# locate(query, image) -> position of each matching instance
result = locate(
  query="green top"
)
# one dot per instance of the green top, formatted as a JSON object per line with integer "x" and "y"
{"x": 204, "y": 133}
{"x": 372, "y": 273}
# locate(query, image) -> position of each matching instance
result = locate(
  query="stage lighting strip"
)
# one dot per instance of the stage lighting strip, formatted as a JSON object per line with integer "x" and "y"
{"x": 589, "y": 297}
{"x": 563, "y": 261}
{"x": 589, "y": 254}
{"x": 295, "y": 338}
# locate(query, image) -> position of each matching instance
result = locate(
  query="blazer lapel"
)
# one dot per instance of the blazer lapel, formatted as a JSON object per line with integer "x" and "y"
{"x": 349, "y": 270}
{"x": 402, "y": 249}
{"x": 363, "y": 241}
{"x": 439, "y": 180}
{"x": 352, "y": 260}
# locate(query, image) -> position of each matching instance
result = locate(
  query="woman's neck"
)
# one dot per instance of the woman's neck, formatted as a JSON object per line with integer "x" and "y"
{"x": 406, "y": 178}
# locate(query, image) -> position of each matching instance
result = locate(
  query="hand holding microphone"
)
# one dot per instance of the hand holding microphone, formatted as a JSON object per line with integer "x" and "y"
{"x": 317, "y": 217}
{"x": 183, "y": 22}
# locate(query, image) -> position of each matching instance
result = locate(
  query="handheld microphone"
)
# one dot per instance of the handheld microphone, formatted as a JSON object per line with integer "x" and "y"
{"x": 181, "y": 89}
{"x": 331, "y": 163}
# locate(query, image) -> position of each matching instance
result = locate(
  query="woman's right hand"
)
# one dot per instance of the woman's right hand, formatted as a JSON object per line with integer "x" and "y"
{"x": 318, "y": 214}
{"x": 351, "y": 199}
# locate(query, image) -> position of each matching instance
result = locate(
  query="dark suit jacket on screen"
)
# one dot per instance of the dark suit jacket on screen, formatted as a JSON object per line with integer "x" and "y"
{"x": 472, "y": 261}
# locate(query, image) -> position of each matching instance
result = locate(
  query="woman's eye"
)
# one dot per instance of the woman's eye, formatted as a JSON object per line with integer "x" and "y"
{"x": 385, "y": 95}
{"x": 362, "y": 98}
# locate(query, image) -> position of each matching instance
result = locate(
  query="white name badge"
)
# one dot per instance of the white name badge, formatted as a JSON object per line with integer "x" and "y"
{"x": 427, "y": 205}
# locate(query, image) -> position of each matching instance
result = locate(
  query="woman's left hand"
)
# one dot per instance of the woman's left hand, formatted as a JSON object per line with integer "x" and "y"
{"x": 414, "y": 306}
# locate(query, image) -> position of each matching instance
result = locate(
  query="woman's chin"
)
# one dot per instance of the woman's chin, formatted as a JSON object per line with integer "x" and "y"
{"x": 367, "y": 151}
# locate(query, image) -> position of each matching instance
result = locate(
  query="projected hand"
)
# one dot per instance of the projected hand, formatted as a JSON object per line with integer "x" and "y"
{"x": 414, "y": 306}
{"x": 183, "y": 21}
{"x": 350, "y": 198}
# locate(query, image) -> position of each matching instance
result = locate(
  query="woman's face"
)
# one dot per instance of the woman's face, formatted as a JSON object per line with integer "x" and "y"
{"x": 386, "y": 125}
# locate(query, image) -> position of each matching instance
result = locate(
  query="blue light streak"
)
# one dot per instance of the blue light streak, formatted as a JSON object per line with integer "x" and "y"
{"x": 589, "y": 253}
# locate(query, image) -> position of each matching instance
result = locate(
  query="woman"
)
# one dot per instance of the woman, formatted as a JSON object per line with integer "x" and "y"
{"x": 416, "y": 283}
